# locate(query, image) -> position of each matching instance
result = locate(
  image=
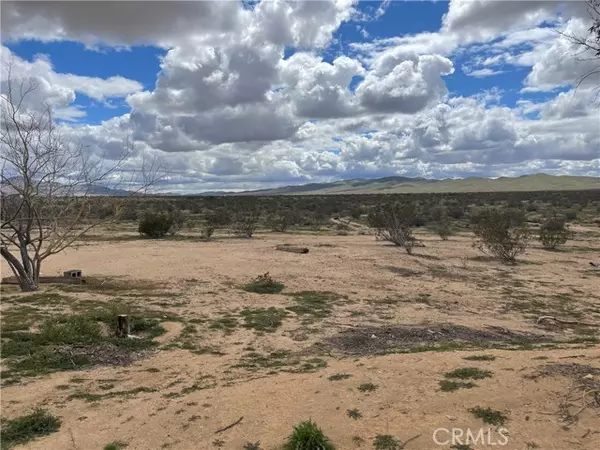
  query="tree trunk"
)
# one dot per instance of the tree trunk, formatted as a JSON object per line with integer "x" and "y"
{"x": 27, "y": 281}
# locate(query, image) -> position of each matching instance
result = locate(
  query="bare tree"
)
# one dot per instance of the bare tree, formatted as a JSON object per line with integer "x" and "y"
{"x": 48, "y": 183}
{"x": 393, "y": 223}
{"x": 589, "y": 45}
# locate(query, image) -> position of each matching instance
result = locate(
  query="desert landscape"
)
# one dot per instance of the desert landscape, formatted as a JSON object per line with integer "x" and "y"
{"x": 377, "y": 347}
{"x": 300, "y": 225}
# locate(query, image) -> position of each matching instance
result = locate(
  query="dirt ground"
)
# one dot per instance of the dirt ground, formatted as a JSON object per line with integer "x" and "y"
{"x": 545, "y": 377}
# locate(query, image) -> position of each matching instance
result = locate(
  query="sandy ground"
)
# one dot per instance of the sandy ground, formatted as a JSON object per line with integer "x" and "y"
{"x": 445, "y": 282}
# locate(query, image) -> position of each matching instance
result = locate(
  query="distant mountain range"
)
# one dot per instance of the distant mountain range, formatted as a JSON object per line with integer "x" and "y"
{"x": 7, "y": 188}
{"x": 399, "y": 185}
{"x": 394, "y": 185}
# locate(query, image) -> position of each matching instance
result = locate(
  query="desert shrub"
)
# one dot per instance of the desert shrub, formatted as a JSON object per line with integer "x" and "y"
{"x": 497, "y": 236}
{"x": 218, "y": 217}
{"x": 178, "y": 221}
{"x": 570, "y": 214}
{"x": 393, "y": 223}
{"x": 441, "y": 226}
{"x": 386, "y": 442}
{"x": 279, "y": 222}
{"x": 214, "y": 219}
{"x": 245, "y": 223}
{"x": 308, "y": 436}
{"x": 155, "y": 224}
{"x": 553, "y": 232}
{"x": 356, "y": 212}
{"x": 264, "y": 284}
{"x": 26, "y": 428}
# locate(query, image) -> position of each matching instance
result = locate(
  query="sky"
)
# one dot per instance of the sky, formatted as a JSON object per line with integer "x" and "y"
{"x": 233, "y": 95}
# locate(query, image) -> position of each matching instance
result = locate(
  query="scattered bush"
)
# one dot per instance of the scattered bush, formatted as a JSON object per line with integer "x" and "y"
{"x": 469, "y": 373}
{"x": 264, "y": 284}
{"x": 308, "y": 436}
{"x": 156, "y": 225}
{"x": 207, "y": 232}
{"x": 451, "y": 386}
{"x": 442, "y": 225}
{"x": 498, "y": 235}
{"x": 553, "y": 232}
{"x": 252, "y": 446}
{"x": 386, "y": 442}
{"x": 178, "y": 221}
{"x": 245, "y": 223}
{"x": 393, "y": 223}
{"x": 367, "y": 387}
{"x": 26, "y": 428}
{"x": 489, "y": 416}
{"x": 279, "y": 223}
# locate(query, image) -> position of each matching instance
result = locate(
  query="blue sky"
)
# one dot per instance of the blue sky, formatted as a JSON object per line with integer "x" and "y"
{"x": 142, "y": 63}
{"x": 414, "y": 74}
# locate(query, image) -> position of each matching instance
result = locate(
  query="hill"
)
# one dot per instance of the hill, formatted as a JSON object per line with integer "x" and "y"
{"x": 400, "y": 185}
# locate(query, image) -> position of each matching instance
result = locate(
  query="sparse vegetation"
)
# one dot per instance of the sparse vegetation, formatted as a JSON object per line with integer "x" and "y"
{"x": 24, "y": 429}
{"x": 489, "y": 416}
{"x": 354, "y": 414}
{"x": 386, "y": 442}
{"x": 339, "y": 376}
{"x": 469, "y": 373}
{"x": 501, "y": 233}
{"x": 245, "y": 223}
{"x": 252, "y": 446}
{"x": 264, "y": 284}
{"x": 157, "y": 224}
{"x": 308, "y": 436}
{"x": 451, "y": 386}
{"x": 393, "y": 222}
{"x": 480, "y": 358}
{"x": 263, "y": 319}
{"x": 313, "y": 304}
{"x": 115, "y": 445}
{"x": 554, "y": 232}
{"x": 367, "y": 387}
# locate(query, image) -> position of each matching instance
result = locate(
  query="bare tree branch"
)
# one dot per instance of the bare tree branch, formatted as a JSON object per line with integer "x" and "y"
{"x": 48, "y": 182}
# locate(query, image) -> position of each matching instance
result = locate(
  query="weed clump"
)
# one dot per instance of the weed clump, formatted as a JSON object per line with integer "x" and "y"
{"x": 354, "y": 414}
{"x": 480, "y": 358}
{"x": 263, "y": 319}
{"x": 308, "y": 436}
{"x": 469, "y": 372}
{"x": 264, "y": 284}
{"x": 339, "y": 376}
{"x": 115, "y": 445}
{"x": 27, "y": 428}
{"x": 386, "y": 442}
{"x": 367, "y": 387}
{"x": 451, "y": 386}
{"x": 489, "y": 416}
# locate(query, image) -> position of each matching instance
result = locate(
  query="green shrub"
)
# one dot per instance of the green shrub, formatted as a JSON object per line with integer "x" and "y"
{"x": 387, "y": 442}
{"x": 442, "y": 225}
{"x": 245, "y": 223}
{"x": 279, "y": 223}
{"x": 26, "y": 428}
{"x": 498, "y": 235}
{"x": 156, "y": 225}
{"x": 489, "y": 416}
{"x": 308, "y": 436}
{"x": 264, "y": 284}
{"x": 553, "y": 232}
